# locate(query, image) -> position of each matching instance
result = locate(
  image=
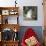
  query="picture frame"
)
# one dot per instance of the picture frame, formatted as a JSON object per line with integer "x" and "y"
{"x": 5, "y": 20}
{"x": 13, "y": 12}
{"x": 30, "y": 12}
{"x": 10, "y": 19}
{"x": 13, "y": 20}
{"x": 9, "y": 34}
{"x": 5, "y": 12}
{"x": 6, "y": 34}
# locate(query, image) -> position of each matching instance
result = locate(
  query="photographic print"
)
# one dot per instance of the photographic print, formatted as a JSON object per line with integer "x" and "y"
{"x": 5, "y": 12}
{"x": 30, "y": 12}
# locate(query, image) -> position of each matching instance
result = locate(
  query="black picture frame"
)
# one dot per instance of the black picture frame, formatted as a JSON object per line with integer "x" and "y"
{"x": 8, "y": 34}
{"x": 30, "y": 12}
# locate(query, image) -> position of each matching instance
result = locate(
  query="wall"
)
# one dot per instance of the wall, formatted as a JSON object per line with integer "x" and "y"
{"x": 37, "y": 3}
{"x": 7, "y": 3}
{"x": 21, "y": 3}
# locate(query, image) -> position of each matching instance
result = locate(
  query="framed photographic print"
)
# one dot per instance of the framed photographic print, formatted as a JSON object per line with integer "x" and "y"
{"x": 30, "y": 12}
{"x": 5, "y": 19}
{"x": 10, "y": 19}
{"x": 6, "y": 34}
{"x": 13, "y": 12}
{"x": 5, "y": 12}
{"x": 13, "y": 20}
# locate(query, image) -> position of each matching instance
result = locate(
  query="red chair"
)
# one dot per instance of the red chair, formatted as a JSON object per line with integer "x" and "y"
{"x": 29, "y": 33}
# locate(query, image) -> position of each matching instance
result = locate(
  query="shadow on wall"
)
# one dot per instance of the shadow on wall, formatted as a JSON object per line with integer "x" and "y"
{"x": 37, "y": 29}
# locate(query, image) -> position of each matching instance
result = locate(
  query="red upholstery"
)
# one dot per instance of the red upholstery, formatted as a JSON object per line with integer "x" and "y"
{"x": 29, "y": 33}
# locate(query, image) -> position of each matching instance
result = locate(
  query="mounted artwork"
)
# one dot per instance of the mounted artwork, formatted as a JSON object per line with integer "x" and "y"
{"x": 30, "y": 12}
{"x": 9, "y": 34}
